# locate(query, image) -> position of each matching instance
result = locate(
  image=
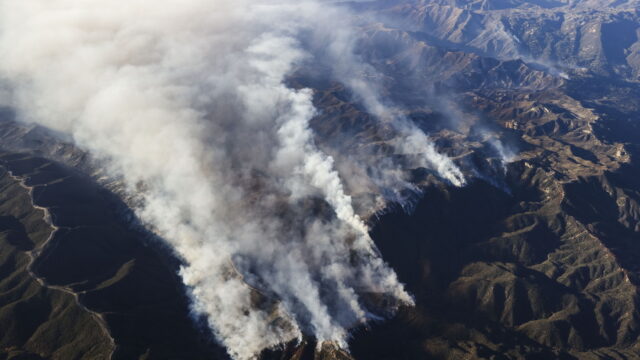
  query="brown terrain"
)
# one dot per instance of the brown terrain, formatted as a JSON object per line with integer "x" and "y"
{"x": 536, "y": 259}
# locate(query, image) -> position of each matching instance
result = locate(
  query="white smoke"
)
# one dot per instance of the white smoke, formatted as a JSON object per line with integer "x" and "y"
{"x": 186, "y": 101}
{"x": 363, "y": 80}
{"x": 412, "y": 141}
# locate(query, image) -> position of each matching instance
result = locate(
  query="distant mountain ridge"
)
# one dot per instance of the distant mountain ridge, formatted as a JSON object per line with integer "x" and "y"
{"x": 597, "y": 36}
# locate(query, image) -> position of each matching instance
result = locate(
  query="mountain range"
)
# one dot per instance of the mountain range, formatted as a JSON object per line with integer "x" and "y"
{"x": 535, "y": 258}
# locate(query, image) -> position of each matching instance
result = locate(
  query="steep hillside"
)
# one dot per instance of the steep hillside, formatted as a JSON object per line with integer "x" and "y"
{"x": 79, "y": 282}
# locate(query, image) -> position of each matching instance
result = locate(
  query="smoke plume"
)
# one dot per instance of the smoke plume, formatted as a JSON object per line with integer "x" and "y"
{"x": 187, "y": 102}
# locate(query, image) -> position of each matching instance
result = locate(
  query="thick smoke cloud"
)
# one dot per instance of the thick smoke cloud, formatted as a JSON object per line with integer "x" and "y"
{"x": 187, "y": 102}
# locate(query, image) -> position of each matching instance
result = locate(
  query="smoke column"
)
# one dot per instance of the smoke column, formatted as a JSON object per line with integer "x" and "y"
{"x": 350, "y": 69}
{"x": 186, "y": 101}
